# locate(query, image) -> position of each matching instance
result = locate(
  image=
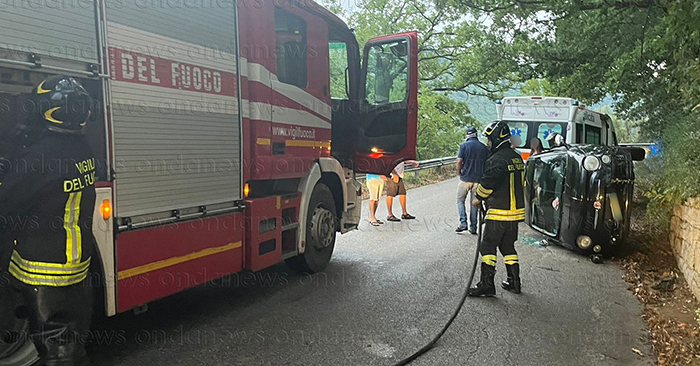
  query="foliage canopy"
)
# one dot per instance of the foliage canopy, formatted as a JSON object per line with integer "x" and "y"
{"x": 645, "y": 54}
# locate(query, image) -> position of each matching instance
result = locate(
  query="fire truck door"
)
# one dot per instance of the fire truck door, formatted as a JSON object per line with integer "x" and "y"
{"x": 388, "y": 106}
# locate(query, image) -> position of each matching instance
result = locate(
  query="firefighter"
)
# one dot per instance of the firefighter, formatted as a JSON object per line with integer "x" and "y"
{"x": 501, "y": 189}
{"x": 18, "y": 348}
{"x": 49, "y": 194}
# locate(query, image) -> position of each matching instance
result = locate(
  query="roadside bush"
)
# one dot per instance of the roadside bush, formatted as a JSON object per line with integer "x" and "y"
{"x": 680, "y": 177}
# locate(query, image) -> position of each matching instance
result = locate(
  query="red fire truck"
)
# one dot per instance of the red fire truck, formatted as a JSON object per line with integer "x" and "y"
{"x": 228, "y": 132}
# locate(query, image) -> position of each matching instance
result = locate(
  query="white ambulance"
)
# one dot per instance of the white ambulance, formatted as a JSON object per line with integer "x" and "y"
{"x": 534, "y": 116}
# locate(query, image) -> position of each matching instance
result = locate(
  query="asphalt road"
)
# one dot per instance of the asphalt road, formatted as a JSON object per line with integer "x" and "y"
{"x": 388, "y": 291}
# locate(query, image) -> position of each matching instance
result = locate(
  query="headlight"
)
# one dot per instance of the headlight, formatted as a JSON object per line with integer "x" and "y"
{"x": 591, "y": 163}
{"x": 605, "y": 159}
{"x": 584, "y": 242}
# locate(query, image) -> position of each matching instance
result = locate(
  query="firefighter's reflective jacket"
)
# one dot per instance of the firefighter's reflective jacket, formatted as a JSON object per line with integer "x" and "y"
{"x": 501, "y": 186}
{"x": 47, "y": 198}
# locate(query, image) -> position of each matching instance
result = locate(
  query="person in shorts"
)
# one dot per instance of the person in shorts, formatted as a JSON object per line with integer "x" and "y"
{"x": 395, "y": 187}
{"x": 375, "y": 184}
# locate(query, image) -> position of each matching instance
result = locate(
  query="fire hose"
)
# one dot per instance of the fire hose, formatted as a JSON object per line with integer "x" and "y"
{"x": 432, "y": 343}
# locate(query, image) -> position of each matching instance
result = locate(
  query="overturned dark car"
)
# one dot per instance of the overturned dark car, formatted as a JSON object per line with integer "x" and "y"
{"x": 579, "y": 196}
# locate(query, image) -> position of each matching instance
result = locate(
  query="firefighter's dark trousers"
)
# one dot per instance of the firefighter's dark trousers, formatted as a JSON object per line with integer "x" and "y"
{"x": 15, "y": 346}
{"x": 59, "y": 319}
{"x": 56, "y": 319}
{"x": 501, "y": 235}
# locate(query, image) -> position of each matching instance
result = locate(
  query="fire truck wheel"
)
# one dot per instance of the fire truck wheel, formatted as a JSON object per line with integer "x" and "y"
{"x": 321, "y": 223}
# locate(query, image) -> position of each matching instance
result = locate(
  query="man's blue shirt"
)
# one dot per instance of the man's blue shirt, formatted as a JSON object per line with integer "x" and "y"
{"x": 473, "y": 154}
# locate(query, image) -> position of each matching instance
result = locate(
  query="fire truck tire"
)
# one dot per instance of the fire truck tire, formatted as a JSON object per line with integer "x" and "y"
{"x": 321, "y": 225}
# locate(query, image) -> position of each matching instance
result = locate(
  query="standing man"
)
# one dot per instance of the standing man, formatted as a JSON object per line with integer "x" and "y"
{"x": 395, "y": 187}
{"x": 470, "y": 165}
{"x": 53, "y": 191}
{"x": 501, "y": 188}
{"x": 375, "y": 184}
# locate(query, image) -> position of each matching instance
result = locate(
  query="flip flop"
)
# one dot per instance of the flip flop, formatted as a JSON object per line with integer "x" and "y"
{"x": 408, "y": 217}
{"x": 374, "y": 223}
{"x": 393, "y": 218}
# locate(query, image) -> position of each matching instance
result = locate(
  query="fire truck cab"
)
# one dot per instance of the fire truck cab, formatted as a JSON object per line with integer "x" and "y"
{"x": 227, "y": 134}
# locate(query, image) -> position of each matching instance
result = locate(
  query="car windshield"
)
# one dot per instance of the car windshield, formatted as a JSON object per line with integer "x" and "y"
{"x": 547, "y": 187}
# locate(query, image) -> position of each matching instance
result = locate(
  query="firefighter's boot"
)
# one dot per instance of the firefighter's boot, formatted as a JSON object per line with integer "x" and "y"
{"x": 15, "y": 347}
{"x": 60, "y": 318}
{"x": 485, "y": 287}
{"x": 512, "y": 284}
{"x": 60, "y": 345}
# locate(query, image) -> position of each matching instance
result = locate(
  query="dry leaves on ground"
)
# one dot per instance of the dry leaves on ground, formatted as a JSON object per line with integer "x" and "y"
{"x": 669, "y": 311}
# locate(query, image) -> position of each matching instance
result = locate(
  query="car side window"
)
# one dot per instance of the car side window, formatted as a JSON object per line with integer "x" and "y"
{"x": 593, "y": 135}
{"x": 387, "y": 73}
{"x": 291, "y": 49}
{"x": 579, "y": 133}
{"x": 338, "y": 60}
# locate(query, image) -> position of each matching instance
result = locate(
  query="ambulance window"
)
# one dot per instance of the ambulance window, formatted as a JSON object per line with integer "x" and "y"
{"x": 518, "y": 133}
{"x": 546, "y": 129}
{"x": 592, "y": 135}
{"x": 579, "y": 133}
{"x": 387, "y": 73}
{"x": 291, "y": 51}
{"x": 338, "y": 58}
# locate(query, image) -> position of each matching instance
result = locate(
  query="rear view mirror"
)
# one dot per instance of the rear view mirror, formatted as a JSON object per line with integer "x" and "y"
{"x": 400, "y": 50}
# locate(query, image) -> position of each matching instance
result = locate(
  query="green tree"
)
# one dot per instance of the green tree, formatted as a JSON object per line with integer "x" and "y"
{"x": 626, "y": 130}
{"x": 643, "y": 53}
{"x": 442, "y": 125}
{"x": 542, "y": 87}
{"x": 452, "y": 58}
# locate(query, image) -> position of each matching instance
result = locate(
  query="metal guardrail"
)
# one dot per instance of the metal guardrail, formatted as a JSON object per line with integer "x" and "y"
{"x": 425, "y": 164}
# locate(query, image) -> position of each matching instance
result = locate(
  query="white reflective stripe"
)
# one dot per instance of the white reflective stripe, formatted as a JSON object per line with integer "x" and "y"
{"x": 70, "y": 224}
{"x": 304, "y": 98}
{"x": 512, "y": 192}
{"x": 48, "y": 268}
{"x": 68, "y": 217}
{"x": 296, "y": 117}
{"x": 260, "y": 74}
{"x": 78, "y": 248}
{"x": 288, "y": 116}
{"x": 243, "y": 64}
{"x": 258, "y": 111}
